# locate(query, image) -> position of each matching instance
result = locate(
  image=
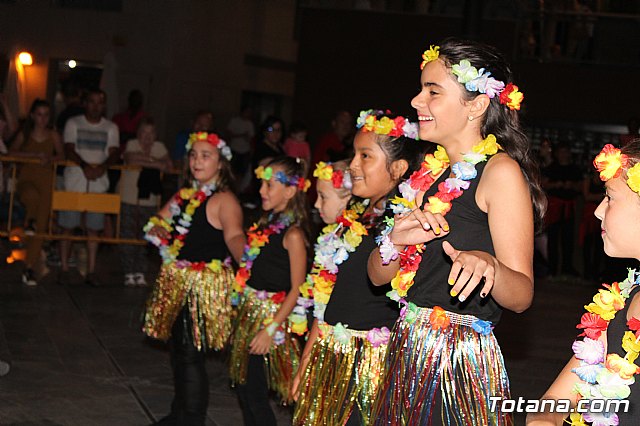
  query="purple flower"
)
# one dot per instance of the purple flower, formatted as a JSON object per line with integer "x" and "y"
{"x": 454, "y": 183}
{"x": 589, "y": 350}
{"x": 601, "y": 419}
{"x": 493, "y": 87}
{"x": 262, "y": 295}
{"x": 378, "y": 336}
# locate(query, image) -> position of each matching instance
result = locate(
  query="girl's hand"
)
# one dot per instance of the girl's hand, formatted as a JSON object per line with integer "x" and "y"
{"x": 160, "y": 232}
{"x": 261, "y": 344}
{"x": 294, "y": 392}
{"x": 417, "y": 227}
{"x": 468, "y": 269}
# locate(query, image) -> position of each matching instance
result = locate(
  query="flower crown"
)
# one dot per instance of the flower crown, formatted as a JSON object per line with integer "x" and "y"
{"x": 338, "y": 178}
{"x": 368, "y": 121}
{"x": 475, "y": 80}
{"x": 266, "y": 173}
{"x": 611, "y": 162}
{"x": 211, "y": 138}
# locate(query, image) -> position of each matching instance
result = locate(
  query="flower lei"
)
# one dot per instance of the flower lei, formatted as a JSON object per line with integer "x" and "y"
{"x": 211, "y": 138}
{"x": 256, "y": 239}
{"x": 169, "y": 250}
{"x": 610, "y": 162}
{"x": 331, "y": 250}
{"x": 338, "y": 178}
{"x": 266, "y": 173}
{"x": 475, "y": 80}
{"x": 368, "y": 121}
{"x": 420, "y": 181}
{"x": 605, "y": 375}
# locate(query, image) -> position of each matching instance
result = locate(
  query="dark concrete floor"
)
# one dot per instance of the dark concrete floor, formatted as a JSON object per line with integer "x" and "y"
{"x": 78, "y": 356}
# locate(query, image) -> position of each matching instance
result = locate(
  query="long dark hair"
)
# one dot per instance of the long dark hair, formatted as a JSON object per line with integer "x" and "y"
{"x": 498, "y": 119}
{"x": 28, "y": 123}
{"x": 298, "y": 206}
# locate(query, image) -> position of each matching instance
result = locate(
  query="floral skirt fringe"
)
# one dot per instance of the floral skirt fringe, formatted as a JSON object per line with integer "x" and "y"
{"x": 207, "y": 295}
{"x": 441, "y": 375}
{"x": 339, "y": 375}
{"x": 281, "y": 362}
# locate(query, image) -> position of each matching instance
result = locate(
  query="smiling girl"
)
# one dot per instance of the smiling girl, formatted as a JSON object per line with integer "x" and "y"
{"x": 604, "y": 362}
{"x": 455, "y": 273}
{"x": 191, "y": 301}
{"x": 264, "y": 354}
{"x": 343, "y": 357}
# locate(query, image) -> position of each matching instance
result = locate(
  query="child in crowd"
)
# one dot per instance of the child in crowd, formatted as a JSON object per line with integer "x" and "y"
{"x": 140, "y": 192}
{"x": 343, "y": 357}
{"x": 296, "y": 144}
{"x": 191, "y": 301}
{"x": 603, "y": 366}
{"x": 264, "y": 354}
{"x": 453, "y": 277}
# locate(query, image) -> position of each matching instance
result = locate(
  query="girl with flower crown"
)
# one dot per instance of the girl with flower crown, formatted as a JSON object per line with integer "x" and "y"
{"x": 264, "y": 353}
{"x": 461, "y": 247}
{"x": 342, "y": 361}
{"x": 604, "y": 365}
{"x": 191, "y": 301}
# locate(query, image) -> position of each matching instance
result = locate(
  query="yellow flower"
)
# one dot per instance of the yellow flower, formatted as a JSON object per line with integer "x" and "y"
{"x": 358, "y": 228}
{"x": 625, "y": 369}
{"x": 306, "y": 289}
{"x": 186, "y": 193}
{"x": 633, "y": 178}
{"x": 320, "y": 285}
{"x": 299, "y": 327}
{"x": 399, "y": 200}
{"x": 576, "y": 419}
{"x": 369, "y": 122}
{"x": 323, "y": 171}
{"x": 609, "y": 162}
{"x": 606, "y": 312}
{"x": 441, "y": 154}
{"x": 436, "y": 205}
{"x": 402, "y": 282}
{"x": 488, "y": 146}
{"x": 321, "y": 297}
{"x": 629, "y": 343}
{"x": 215, "y": 265}
{"x": 431, "y": 54}
{"x": 434, "y": 164}
{"x": 352, "y": 238}
{"x": 384, "y": 126}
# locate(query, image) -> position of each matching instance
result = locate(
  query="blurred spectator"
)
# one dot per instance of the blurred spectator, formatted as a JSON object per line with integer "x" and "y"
{"x": 73, "y": 104}
{"x": 140, "y": 192}
{"x": 91, "y": 141}
{"x": 333, "y": 146}
{"x": 541, "y": 241}
{"x": 35, "y": 181}
{"x": 589, "y": 237}
{"x": 562, "y": 180}
{"x": 202, "y": 122}
{"x": 241, "y": 132}
{"x": 269, "y": 143}
{"x": 129, "y": 119}
{"x": 633, "y": 127}
{"x": 296, "y": 144}
{"x": 8, "y": 127}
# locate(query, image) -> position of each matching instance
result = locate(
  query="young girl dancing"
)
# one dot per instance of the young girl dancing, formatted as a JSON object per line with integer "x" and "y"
{"x": 191, "y": 300}
{"x": 264, "y": 353}
{"x": 453, "y": 277}
{"x": 604, "y": 365}
{"x": 343, "y": 357}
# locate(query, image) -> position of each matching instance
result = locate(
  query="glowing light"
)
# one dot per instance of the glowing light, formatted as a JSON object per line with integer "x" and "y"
{"x": 25, "y": 58}
{"x": 72, "y": 63}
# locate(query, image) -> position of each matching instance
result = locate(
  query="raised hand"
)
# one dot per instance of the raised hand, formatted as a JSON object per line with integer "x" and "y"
{"x": 417, "y": 227}
{"x": 468, "y": 270}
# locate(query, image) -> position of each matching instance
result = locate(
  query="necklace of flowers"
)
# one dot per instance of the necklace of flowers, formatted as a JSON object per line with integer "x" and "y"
{"x": 605, "y": 375}
{"x": 420, "y": 181}
{"x": 479, "y": 80}
{"x": 193, "y": 197}
{"x": 257, "y": 237}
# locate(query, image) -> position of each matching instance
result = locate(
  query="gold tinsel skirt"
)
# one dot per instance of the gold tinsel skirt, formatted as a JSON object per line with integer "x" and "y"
{"x": 206, "y": 294}
{"x": 339, "y": 375}
{"x": 281, "y": 362}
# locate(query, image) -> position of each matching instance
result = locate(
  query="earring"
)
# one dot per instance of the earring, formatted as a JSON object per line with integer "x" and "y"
{"x": 471, "y": 118}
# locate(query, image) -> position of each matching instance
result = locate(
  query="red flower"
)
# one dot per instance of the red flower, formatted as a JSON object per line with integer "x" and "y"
{"x": 327, "y": 275}
{"x": 634, "y": 324}
{"x": 200, "y": 196}
{"x": 336, "y": 178}
{"x": 180, "y": 237}
{"x": 421, "y": 180}
{"x": 410, "y": 259}
{"x": 344, "y": 221}
{"x": 279, "y": 297}
{"x": 213, "y": 139}
{"x": 593, "y": 325}
{"x": 198, "y": 266}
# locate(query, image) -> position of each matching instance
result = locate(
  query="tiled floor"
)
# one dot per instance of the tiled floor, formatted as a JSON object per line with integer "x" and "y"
{"x": 78, "y": 356}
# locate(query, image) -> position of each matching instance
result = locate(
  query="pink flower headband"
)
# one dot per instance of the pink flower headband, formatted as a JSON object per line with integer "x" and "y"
{"x": 475, "y": 80}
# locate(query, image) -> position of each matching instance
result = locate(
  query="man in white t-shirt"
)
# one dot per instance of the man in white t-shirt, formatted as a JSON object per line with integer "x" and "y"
{"x": 90, "y": 141}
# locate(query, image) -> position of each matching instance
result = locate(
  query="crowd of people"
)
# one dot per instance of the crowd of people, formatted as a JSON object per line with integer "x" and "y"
{"x": 429, "y": 237}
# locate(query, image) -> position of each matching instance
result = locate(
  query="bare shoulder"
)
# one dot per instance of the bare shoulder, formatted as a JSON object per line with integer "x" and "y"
{"x": 224, "y": 199}
{"x": 502, "y": 172}
{"x": 502, "y": 166}
{"x": 294, "y": 237}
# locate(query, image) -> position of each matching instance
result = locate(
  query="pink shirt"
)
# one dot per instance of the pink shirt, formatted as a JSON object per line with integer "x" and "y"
{"x": 295, "y": 148}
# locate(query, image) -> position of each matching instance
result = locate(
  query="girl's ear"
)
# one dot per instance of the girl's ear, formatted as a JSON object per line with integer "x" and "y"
{"x": 290, "y": 192}
{"x": 398, "y": 169}
{"x": 479, "y": 105}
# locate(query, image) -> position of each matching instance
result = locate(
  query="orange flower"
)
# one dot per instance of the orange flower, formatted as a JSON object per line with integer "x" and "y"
{"x": 610, "y": 162}
{"x": 439, "y": 318}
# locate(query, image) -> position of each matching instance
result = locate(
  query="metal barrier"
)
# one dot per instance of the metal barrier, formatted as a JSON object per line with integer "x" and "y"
{"x": 70, "y": 201}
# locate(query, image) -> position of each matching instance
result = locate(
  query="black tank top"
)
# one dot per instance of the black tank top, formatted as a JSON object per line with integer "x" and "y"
{"x": 615, "y": 332}
{"x": 469, "y": 231}
{"x": 355, "y": 301}
{"x": 271, "y": 271}
{"x": 203, "y": 242}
